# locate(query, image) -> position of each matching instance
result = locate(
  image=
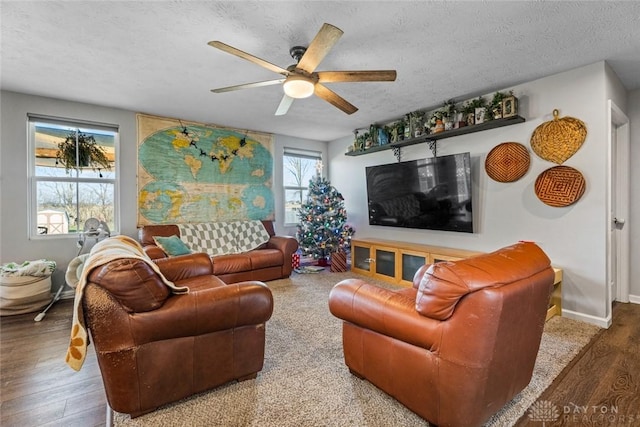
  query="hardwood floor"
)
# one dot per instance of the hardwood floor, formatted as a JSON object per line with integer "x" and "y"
{"x": 601, "y": 386}
{"x": 39, "y": 389}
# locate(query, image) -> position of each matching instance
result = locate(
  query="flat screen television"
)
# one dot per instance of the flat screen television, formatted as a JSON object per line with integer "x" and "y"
{"x": 432, "y": 193}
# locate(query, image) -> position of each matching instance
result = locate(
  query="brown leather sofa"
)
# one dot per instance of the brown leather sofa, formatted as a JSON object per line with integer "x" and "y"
{"x": 269, "y": 262}
{"x": 155, "y": 347}
{"x": 459, "y": 344}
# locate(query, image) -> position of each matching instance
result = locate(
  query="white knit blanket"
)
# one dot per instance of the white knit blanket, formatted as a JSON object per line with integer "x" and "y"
{"x": 222, "y": 238}
{"x": 113, "y": 248}
{"x": 38, "y": 268}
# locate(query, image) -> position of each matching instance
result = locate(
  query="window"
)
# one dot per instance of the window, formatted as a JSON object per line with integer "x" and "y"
{"x": 72, "y": 175}
{"x": 299, "y": 167}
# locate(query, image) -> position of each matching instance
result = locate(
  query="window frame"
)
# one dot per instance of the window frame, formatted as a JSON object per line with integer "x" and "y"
{"x": 33, "y": 179}
{"x": 302, "y": 154}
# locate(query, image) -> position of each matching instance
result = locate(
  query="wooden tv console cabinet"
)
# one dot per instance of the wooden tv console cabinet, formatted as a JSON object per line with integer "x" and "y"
{"x": 396, "y": 262}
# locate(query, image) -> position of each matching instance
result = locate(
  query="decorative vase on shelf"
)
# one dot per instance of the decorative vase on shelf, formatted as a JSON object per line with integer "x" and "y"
{"x": 383, "y": 137}
{"x": 459, "y": 121}
{"x": 448, "y": 124}
{"x": 439, "y": 126}
{"x": 407, "y": 127}
{"x": 471, "y": 118}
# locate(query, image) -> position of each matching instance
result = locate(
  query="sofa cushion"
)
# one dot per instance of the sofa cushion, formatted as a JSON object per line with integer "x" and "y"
{"x": 445, "y": 283}
{"x": 133, "y": 283}
{"x": 233, "y": 263}
{"x": 172, "y": 245}
{"x": 264, "y": 258}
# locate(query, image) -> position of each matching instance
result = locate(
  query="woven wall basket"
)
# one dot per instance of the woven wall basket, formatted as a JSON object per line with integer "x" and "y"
{"x": 560, "y": 186}
{"x": 558, "y": 139}
{"x": 507, "y": 162}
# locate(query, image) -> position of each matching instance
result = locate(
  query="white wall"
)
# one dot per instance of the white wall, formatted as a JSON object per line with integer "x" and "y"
{"x": 574, "y": 237}
{"x": 633, "y": 112}
{"x": 15, "y": 244}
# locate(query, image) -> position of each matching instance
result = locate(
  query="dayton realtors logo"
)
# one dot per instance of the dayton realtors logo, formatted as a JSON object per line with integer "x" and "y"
{"x": 546, "y": 412}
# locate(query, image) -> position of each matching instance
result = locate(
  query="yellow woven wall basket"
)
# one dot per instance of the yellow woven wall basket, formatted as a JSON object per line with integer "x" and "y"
{"x": 558, "y": 139}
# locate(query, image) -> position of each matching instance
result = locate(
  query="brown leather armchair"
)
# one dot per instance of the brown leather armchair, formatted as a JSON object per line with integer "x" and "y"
{"x": 460, "y": 343}
{"x": 155, "y": 347}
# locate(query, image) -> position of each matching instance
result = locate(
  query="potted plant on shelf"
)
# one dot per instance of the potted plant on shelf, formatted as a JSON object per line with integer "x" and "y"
{"x": 89, "y": 153}
{"x": 468, "y": 113}
{"x": 494, "y": 111}
{"x": 448, "y": 114}
{"x": 473, "y": 110}
{"x": 436, "y": 121}
{"x": 416, "y": 123}
{"x": 403, "y": 128}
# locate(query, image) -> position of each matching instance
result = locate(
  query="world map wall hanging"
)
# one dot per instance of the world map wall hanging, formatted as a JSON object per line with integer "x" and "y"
{"x": 190, "y": 173}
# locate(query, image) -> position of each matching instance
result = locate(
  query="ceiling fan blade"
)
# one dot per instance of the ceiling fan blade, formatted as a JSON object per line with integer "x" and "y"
{"x": 284, "y": 105}
{"x": 356, "y": 76}
{"x": 322, "y": 43}
{"x": 334, "y": 99}
{"x": 247, "y": 85}
{"x": 251, "y": 58}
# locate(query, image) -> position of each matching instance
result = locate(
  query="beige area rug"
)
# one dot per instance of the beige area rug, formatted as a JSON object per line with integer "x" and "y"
{"x": 305, "y": 382}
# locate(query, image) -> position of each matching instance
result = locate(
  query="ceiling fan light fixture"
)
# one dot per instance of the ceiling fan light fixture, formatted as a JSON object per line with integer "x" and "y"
{"x": 298, "y": 87}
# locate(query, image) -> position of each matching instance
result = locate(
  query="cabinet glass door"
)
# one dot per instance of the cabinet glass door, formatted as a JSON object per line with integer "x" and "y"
{"x": 385, "y": 262}
{"x": 410, "y": 264}
{"x": 360, "y": 258}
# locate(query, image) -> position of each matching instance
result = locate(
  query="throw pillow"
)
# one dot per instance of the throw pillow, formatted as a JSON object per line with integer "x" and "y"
{"x": 172, "y": 245}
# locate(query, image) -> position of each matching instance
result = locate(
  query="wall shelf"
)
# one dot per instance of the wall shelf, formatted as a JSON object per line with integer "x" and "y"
{"x": 492, "y": 124}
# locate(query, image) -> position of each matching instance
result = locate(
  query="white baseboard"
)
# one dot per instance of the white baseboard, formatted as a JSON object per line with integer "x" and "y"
{"x": 594, "y": 320}
{"x": 634, "y": 299}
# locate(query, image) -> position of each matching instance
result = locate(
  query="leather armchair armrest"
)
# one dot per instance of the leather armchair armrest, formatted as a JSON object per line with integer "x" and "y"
{"x": 417, "y": 278}
{"x": 205, "y": 311}
{"x": 154, "y": 252}
{"x": 184, "y": 266}
{"x": 384, "y": 311}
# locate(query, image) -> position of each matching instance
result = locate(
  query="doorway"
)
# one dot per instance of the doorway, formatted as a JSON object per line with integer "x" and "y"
{"x": 618, "y": 206}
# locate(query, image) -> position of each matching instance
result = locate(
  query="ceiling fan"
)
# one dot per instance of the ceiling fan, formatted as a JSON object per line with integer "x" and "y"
{"x": 301, "y": 80}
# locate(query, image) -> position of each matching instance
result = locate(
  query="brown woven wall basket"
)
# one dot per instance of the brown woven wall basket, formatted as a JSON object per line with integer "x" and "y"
{"x": 560, "y": 186}
{"x": 558, "y": 139}
{"x": 507, "y": 162}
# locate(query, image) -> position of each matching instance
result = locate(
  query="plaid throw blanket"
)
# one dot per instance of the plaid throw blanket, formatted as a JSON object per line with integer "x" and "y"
{"x": 222, "y": 238}
{"x": 116, "y": 247}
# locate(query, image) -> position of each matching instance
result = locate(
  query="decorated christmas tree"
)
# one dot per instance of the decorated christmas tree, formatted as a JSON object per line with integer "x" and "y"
{"x": 322, "y": 229}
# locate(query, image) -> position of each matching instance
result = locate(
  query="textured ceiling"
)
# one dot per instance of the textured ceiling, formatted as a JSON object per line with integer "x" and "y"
{"x": 153, "y": 57}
